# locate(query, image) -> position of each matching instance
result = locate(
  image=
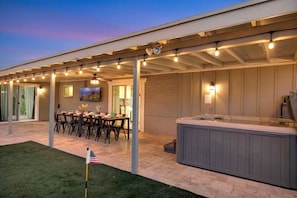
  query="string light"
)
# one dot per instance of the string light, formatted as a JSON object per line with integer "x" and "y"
{"x": 175, "y": 59}
{"x": 217, "y": 52}
{"x": 144, "y": 63}
{"x": 43, "y": 77}
{"x": 66, "y": 71}
{"x": 119, "y": 65}
{"x": 98, "y": 67}
{"x": 271, "y": 43}
{"x": 80, "y": 70}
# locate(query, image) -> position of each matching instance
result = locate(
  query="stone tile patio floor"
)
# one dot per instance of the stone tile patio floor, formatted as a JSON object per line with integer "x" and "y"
{"x": 153, "y": 162}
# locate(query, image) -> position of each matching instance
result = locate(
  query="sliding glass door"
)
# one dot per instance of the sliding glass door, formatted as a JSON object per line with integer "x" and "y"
{"x": 4, "y": 102}
{"x": 26, "y": 103}
{"x": 23, "y": 102}
{"x": 122, "y": 100}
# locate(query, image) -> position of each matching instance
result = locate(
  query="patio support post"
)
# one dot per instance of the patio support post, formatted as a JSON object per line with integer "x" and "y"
{"x": 10, "y": 101}
{"x": 52, "y": 110}
{"x": 136, "y": 77}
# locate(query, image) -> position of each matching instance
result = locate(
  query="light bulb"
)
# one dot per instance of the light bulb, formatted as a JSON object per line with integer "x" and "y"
{"x": 217, "y": 52}
{"x": 175, "y": 59}
{"x": 80, "y": 72}
{"x": 144, "y": 63}
{"x": 43, "y": 77}
{"x": 118, "y": 66}
{"x": 271, "y": 45}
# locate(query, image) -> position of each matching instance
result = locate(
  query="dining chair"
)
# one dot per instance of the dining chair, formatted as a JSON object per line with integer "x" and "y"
{"x": 71, "y": 123}
{"x": 90, "y": 126}
{"x": 60, "y": 121}
{"x": 117, "y": 127}
{"x": 100, "y": 128}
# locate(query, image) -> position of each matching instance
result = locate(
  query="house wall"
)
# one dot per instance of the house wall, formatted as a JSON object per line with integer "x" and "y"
{"x": 72, "y": 103}
{"x": 255, "y": 92}
{"x": 44, "y": 101}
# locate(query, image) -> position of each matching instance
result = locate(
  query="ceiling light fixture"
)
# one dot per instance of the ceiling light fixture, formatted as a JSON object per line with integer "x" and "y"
{"x": 217, "y": 52}
{"x": 271, "y": 43}
{"x": 119, "y": 65}
{"x": 94, "y": 80}
{"x": 175, "y": 57}
{"x": 33, "y": 77}
{"x": 43, "y": 77}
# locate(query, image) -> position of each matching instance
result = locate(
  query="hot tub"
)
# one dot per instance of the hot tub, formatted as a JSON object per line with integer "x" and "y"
{"x": 258, "y": 150}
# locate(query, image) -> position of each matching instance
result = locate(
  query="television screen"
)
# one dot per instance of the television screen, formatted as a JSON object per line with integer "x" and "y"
{"x": 90, "y": 94}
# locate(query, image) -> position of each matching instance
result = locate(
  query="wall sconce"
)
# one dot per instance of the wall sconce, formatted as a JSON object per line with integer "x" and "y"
{"x": 212, "y": 87}
{"x": 40, "y": 90}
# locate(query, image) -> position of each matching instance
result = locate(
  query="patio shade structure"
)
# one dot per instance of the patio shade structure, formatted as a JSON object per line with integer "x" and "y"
{"x": 241, "y": 34}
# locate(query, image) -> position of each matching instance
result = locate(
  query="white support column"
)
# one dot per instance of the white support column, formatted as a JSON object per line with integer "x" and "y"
{"x": 136, "y": 77}
{"x": 10, "y": 103}
{"x": 52, "y": 110}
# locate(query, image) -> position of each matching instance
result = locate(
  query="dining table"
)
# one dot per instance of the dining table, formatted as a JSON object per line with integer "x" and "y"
{"x": 109, "y": 121}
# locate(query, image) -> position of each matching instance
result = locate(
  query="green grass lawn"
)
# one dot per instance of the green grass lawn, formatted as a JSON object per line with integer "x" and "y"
{"x": 33, "y": 170}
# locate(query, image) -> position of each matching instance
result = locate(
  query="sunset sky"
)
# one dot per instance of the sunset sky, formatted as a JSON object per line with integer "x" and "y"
{"x": 31, "y": 29}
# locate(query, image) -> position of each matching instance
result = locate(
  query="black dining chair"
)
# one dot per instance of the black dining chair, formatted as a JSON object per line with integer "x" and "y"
{"x": 117, "y": 127}
{"x": 90, "y": 123}
{"x": 71, "y": 123}
{"x": 100, "y": 128}
{"x": 60, "y": 121}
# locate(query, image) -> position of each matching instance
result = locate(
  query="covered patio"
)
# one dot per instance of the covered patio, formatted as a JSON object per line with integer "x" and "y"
{"x": 154, "y": 163}
{"x": 229, "y": 46}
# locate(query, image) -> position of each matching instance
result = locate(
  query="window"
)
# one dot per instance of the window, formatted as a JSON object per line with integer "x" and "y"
{"x": 68, "y": 91}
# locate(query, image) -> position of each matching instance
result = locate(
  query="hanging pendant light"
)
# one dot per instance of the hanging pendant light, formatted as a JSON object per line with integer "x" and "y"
{"x": 94, "y": 80}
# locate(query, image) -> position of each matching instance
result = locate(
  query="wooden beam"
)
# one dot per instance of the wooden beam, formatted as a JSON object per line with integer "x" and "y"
{"x": 208, "y": 58}
{"x": 234, "y": 55}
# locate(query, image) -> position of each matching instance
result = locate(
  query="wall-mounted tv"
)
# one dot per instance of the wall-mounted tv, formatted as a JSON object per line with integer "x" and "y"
{"x": 92, "y": 94}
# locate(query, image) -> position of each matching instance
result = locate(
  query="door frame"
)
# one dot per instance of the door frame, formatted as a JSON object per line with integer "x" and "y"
{"x": 141, "y": 96}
